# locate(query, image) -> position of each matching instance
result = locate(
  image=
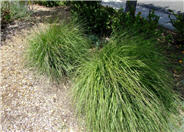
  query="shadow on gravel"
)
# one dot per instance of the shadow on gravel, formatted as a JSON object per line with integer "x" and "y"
{"x": 37, "y": 16}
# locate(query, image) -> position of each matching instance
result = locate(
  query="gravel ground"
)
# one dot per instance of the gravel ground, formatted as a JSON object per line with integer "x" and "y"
{"x": 31, "y": 103}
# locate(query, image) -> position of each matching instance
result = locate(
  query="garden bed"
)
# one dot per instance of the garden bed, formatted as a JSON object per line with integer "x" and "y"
{"x": 33, "y": 102}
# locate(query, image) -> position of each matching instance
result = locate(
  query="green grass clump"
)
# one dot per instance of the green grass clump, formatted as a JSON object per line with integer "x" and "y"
{"x": 12, "y": 10}
{"x": 58, "y": 50}
{"x": 125, "y": 87}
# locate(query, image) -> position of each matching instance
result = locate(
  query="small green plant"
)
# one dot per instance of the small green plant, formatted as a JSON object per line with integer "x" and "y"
{"x": 58, "y": 50}
{"x": 150, "y": 24}
{"x": 102, "y": 20}
{"x": 125, "y": 21}
{"x": 19, "y": 10}
{"x": 95, "y": 40}
{"x": 97, "y": 18}
{"x": 125, "y": 87}
{"x": 13, "y": 10}
{"x": 178, "y": 23}
{"x": 5, "y": 12}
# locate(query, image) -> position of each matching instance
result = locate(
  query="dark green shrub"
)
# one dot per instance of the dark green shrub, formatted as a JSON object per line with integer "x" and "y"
{"x": 11, "y": 11}
{"x": 102, "y": 20}
{"x": 5, "y": 13}
{"x": 125, "y": 87}
{"x": 58, "y": 50}
{"x": 125, "y": 21}
{"x": 152, "y": 22}
{"x": 178, "y": 23}
{"x": 97, "y": 18}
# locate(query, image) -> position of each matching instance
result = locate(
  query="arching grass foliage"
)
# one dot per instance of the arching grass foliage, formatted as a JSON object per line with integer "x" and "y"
{"x": 125, "y": 87}
{"x": 57, "y": 51}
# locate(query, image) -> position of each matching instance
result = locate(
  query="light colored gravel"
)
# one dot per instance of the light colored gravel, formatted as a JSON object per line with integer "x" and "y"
{"x": 31, "y": 103}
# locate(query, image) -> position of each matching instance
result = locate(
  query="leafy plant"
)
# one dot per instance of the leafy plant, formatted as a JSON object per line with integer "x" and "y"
{"x": 19, "y": 10}
{"x": 95, "y": 40}
{"x": 96, "y": 17}
{"x": 102, "y": 20}
{"x": 58, "y": 50}
{"x": 125, "y": 21}
{"x": 152, "y": 20}
{"x": 123, "y": 87}
{"x": 5, "y": 12}
{"x": 178, "y": 23}
{"x": 11, "y": 11}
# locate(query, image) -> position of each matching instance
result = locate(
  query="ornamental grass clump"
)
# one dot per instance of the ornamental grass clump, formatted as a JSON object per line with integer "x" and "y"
{"x": 57, "y": 51}
{"x": 125, "y": 87}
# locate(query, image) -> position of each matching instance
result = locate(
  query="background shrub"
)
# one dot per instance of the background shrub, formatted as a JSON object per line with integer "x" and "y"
{"x": 5, "y": 12}
{"x": 58, "y": 50}
{"x": 123, "y": 88}
{"x": 138, "y": 24}
{"x": 13, "y": 10}
{"x": 102, "y": 20}
{"x": 178, "y": 23}
{"x": 96, "y": 17}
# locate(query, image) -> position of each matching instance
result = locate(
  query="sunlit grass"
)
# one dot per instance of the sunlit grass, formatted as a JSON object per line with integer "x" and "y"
{"x": 126, "y": 87}
{"x": 58, "y": 50}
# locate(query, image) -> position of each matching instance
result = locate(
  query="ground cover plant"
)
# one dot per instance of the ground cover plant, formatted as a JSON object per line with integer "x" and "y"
{"x": 96, "y": 16}
{"x": 13, "y": 10}
{"x": 178, "y": 23}
{"x": 58, "y": 50}
{"x": 102, "y": 21}
{"x": 125, "y": 87}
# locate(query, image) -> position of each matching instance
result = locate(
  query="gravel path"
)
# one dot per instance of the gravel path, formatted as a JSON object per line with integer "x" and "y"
{"x": 31, "y": 103}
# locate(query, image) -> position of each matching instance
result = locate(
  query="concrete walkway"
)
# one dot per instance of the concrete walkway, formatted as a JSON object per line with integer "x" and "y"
{"x": 160, "y": 6}
{"x": 175, "y": 5}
